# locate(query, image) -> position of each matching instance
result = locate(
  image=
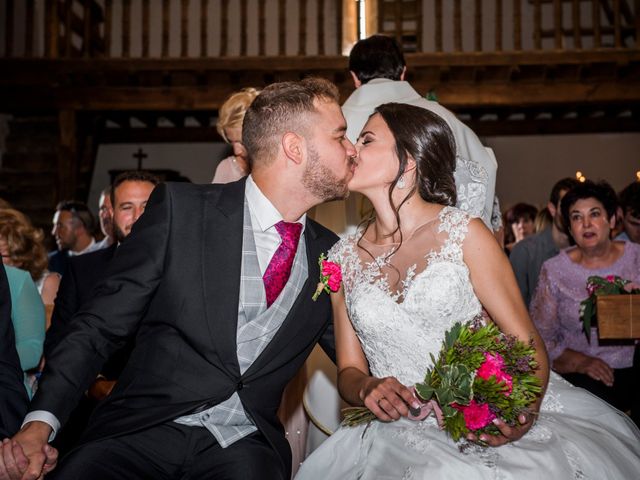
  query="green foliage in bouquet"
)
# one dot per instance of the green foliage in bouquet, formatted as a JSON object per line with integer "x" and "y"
{"x": 480, "y": 374}
{"x": 500, "y": 380}
{"x": 596, "y": 285}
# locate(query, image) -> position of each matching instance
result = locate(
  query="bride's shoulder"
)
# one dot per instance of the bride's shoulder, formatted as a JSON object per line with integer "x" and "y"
{"x": 454, "y": 219}
{"x": 462, "y": 226}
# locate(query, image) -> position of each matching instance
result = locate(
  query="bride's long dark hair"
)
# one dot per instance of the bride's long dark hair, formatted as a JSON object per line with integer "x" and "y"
{"x": 425, "y": 137}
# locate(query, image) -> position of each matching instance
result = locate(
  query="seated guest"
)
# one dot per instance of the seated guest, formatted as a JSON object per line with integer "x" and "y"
{"x": 27, "y": 316}
{"x": 21, "y": 246}
{"x": 543, "y": 220}
{"x": 604, "y": 368}
{"x": 528, "y": 255}
{"x": 73, "y": 227}
{"x": 105, "y": 217}
{"x": 129, "y": 195}
{"x": 630, "y": 205}
{"x": 229, "y": 126}
{"x": 13, "y": 397}
{"x": 519, "y": 224}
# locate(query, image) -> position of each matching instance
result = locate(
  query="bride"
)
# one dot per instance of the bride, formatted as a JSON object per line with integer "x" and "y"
{"x": 415, "y": 269}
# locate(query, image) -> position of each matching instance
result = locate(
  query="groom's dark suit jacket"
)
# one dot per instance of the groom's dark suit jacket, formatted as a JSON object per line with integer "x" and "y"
{"x": 82, "y": 274}
{"x": 175, "y": 281}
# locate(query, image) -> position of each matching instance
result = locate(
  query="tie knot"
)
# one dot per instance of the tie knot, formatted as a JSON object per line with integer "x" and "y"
{"x": 290, "y": 232}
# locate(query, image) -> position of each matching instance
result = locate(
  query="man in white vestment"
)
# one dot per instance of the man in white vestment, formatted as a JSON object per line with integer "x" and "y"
{"x": 378, "y": 69}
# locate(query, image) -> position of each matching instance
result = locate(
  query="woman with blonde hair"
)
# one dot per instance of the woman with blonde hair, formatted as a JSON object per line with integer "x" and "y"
{"x": 229, "y": 126}
{"x": 21, "y": 246}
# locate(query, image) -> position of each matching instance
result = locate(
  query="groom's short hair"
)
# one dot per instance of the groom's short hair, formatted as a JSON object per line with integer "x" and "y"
{"x": 280, "y": 108}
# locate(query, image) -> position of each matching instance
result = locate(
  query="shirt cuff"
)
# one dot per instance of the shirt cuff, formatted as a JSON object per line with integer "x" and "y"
{"x": 46, "y": 417}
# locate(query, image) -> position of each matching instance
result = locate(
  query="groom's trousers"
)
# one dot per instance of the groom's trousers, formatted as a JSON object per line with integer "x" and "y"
{"x": 171, "y": 451}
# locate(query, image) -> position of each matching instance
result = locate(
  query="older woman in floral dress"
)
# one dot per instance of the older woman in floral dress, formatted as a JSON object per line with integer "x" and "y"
{"x": 606, "y": 368}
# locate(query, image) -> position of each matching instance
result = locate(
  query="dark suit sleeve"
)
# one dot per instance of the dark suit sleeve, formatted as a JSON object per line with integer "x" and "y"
{"x": 65, "y": 305}
{"x": 13, "y": 396}
{"x": 328, "y": 342}
{"x": 105, "y": 323}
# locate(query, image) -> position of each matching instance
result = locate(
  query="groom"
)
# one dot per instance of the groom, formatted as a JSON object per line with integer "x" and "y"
{"x": 215, "y": 282}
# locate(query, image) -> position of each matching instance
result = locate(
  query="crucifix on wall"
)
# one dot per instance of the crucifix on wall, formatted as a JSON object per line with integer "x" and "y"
{"x": 164, "y": 174}
{"x": 140, "y": 155}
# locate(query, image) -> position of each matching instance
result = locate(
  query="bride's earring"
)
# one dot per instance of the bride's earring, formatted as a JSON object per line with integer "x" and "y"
{"x": 401, "y": 182}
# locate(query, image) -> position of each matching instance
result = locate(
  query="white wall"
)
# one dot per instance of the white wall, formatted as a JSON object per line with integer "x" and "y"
{"x": 196, "y": 161}
{"x": 528, "y": 166}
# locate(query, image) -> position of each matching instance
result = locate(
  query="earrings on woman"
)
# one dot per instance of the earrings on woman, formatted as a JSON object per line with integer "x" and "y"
{"x": 401, "y": 182}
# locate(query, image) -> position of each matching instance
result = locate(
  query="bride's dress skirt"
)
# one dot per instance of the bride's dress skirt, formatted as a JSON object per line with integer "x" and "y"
{"x": 577, "y": 436}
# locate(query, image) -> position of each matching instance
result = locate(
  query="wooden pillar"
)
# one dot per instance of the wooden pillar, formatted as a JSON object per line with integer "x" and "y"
{"x": 67, "y": 156}
{"x": 282, "y": 27}
{"x": 371, "y": 9}
{"x": 302, "y": 29}
{"x": 262, "y": 27}
{"x": 146, "y": 21}
{"x": 204, "y": 24}
{"x": 477, "y": 29}
{"x": 184, "y": 28}
{"x": 320, "y": 23}
{"x": 52, "y": 25}
{"x": 8, "y": 33}
{"x": 457, "y": 26}
{"x": 244, "y": 20}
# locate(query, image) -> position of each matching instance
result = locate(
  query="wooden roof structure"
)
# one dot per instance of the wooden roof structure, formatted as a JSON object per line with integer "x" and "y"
{"x": 504, "y": 66}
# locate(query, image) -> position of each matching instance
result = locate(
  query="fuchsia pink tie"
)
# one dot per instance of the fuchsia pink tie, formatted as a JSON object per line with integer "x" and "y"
{"x": 277, "y": 273}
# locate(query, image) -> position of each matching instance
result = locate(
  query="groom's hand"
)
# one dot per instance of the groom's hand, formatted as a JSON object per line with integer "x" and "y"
{"x": 28, "y": 456}
{"x": 508, "y": 433}
{"x": 387, "y": 398}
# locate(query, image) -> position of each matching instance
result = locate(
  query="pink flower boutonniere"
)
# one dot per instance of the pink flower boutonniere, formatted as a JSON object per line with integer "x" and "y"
{"x": 330, "y": 277}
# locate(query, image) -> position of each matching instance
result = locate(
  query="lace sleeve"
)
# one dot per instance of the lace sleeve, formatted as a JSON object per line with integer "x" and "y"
{"x": 344, "y": 255}
{"x": 544, "y": 313}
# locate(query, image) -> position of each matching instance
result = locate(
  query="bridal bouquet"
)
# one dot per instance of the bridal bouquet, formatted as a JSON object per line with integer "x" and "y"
{"x": 480, "y": 374}
{"x": 609, "y": 285}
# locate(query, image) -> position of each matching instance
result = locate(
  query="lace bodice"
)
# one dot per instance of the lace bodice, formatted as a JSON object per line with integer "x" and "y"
{"x": 401, "y": 298}
{"x": 399, "y": 323}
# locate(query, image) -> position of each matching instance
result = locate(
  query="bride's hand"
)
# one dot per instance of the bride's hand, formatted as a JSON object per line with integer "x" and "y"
{"x": 509, "y": 434}
{"x": 387, "y": 398}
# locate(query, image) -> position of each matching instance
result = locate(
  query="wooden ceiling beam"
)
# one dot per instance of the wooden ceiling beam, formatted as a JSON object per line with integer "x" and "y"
{"x": 449, "y": 93}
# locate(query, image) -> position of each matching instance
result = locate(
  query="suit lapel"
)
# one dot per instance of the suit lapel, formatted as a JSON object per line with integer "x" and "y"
{"x": 294, "y": 321}
{"x": 222, "y": 254}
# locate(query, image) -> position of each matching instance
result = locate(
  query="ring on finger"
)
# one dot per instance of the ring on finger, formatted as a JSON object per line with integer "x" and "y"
{"x": 379, "y": 400}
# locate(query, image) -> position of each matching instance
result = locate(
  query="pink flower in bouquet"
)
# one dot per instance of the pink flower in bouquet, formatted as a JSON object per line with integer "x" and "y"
{"x": 476, "y": 415}
{"x": 334, "y": 274}
{"x": 611, "y": 278}
{"x": 493, "y": 367}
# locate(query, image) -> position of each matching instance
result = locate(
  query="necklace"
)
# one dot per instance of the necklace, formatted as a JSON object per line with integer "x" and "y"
{"x": 408, "y": 237}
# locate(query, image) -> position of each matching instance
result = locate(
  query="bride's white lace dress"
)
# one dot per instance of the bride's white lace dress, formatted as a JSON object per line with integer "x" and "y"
{"x": 577, "y": 436}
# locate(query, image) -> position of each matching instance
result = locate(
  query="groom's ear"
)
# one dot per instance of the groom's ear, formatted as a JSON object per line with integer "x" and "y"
{"x": 292, "y": 145}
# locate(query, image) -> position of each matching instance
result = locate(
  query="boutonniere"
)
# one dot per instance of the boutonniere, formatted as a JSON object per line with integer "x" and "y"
{"x": 330, "y": 277}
